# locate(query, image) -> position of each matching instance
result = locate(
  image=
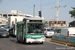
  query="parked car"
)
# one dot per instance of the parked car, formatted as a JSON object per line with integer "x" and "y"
{"x": 4, "y": 27}
{"x": 3, "y": 33}
{"x": 48, "y": 32}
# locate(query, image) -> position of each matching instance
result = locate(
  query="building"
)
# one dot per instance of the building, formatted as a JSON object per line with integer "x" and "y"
{"x": 13, "y": 13}
{"x": 72, "y": 24}
{"x": 59, "y": 24}
{"x": 5, "y": 16}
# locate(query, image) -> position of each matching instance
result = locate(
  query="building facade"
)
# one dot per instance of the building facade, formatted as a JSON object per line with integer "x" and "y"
{"x": 57, "y": 24}
{"x": 72, "y": 24}
{"x": 13, "y": 13}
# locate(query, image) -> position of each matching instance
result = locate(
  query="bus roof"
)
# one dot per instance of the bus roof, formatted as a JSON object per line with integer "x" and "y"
{"x": 34, "y": 18}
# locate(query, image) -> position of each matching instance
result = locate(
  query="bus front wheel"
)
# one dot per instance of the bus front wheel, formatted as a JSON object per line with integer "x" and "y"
{"x": 41, "y": 43}
{"x": 17, "y": 40}
{"x": 24, "y": 41}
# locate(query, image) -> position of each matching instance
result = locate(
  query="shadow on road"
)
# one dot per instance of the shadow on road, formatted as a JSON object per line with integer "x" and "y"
{"x": 4, "y": 37}
{"x": 48, "y": 37}
{"x": 12, "y": 36}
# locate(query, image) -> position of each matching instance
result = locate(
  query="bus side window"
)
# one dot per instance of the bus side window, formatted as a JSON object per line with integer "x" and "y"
{"x": 24, "y": 28}
{"x": 17, "y": 27}
{"x": 21, "y": 28}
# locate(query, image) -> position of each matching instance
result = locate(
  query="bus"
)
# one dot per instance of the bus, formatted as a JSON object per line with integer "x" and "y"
{"x": 31, "y": 30}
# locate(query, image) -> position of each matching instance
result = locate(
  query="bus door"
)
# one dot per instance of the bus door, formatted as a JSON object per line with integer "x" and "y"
{"x": 21, "y": 34}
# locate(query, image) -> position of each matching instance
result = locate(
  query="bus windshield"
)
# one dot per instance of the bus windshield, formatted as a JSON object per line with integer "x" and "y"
{"x": 34, "y": 28}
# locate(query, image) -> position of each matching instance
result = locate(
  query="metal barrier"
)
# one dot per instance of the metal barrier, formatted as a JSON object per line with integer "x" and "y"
{"x": 65, "y": 40}
{"x": 72, "y": 39}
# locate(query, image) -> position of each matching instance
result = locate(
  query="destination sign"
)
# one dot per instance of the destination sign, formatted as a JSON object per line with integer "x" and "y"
{"x": 35, "y": 20}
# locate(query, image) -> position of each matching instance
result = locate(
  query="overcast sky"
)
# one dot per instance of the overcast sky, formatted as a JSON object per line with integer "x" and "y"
{"x": 26, "y": 7}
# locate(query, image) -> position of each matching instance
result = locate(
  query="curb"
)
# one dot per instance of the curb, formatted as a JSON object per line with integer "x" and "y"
{"x": 63, "y": 42}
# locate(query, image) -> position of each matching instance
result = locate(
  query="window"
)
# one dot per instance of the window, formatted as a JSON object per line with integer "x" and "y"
{"x": 52, "y": 24}
{"x": 24, "y": 28}
{"x": 49, "y": 29}
{"x": 58, "y": 30}
{"x": 3, "y": 30}
{"x": 5, "y": 15}
{"x": 61, "y": 24}
{"x": 35, "y": 28}
{"x": 20, "y": 28}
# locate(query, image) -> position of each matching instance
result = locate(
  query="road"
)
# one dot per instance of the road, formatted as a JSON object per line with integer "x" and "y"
{"x": 11, "y": 44}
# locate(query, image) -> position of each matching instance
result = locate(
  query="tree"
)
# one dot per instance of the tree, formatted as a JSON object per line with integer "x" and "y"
{"x": 46, "y": 22}
{"x": 72, "y": 12}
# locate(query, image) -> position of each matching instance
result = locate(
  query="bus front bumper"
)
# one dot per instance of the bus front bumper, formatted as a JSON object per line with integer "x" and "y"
{"x": 33, "y": 40}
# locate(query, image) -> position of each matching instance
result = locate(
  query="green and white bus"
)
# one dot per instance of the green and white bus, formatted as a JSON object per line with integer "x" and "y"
{"x": 31, "y": 30}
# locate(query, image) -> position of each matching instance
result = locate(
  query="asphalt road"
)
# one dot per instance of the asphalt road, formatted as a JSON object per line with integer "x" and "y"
{"x": 11, "y": 44}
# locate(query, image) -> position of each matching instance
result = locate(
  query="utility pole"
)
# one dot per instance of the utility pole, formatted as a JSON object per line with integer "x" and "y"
{"x": 33, "y": 10}
{"x": 57, "y": 11}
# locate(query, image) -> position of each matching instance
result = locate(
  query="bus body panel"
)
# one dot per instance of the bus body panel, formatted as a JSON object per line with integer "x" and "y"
{"x": 35, "y": 38}
{"x": 30, "y": 40}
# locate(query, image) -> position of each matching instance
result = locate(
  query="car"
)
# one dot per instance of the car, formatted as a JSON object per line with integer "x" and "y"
{"x": 48, "y": 32}
{"x": 4, "y": 33}
{"x": 68, "y": 31}
{"x": 4, "y": 27}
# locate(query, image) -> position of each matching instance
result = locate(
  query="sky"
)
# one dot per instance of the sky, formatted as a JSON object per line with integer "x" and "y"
{"x": 26, "y": 7}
